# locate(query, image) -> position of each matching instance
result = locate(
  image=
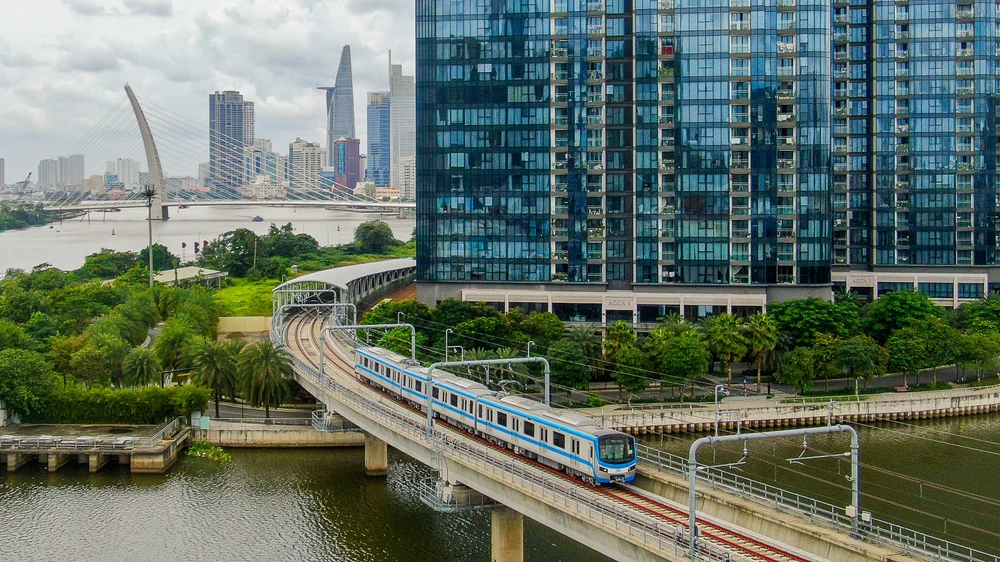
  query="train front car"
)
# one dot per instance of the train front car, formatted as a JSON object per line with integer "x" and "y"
{"x": 616, "y": 457}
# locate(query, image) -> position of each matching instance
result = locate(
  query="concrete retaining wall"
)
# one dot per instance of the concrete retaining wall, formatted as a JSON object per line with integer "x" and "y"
{"x": 244, "y": 324}
{"x": 226, "y": 434}
{"x": 762, "y": 414}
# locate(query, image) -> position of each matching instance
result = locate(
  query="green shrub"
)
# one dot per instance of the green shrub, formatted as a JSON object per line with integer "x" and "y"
{"x": 134, "y": 406}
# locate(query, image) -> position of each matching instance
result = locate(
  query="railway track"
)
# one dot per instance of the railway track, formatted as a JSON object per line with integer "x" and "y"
{"x": 305, "y": 332}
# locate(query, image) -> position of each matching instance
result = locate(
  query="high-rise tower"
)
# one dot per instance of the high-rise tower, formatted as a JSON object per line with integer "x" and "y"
{"x": 402, "y": 125}
{"x": 231, "y": 128}
{"x": 378, "y": 138}
{"x": 340, "y": 105}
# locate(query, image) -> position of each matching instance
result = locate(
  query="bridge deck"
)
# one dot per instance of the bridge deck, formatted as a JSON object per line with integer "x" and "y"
{"x": 642, "y": 528}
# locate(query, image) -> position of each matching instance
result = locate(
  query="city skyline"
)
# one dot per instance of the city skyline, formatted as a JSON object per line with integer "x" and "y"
{"x": 60, "y": 79}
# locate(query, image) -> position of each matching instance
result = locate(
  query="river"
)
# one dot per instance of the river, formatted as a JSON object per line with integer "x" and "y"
{"x": 67, "y": 243}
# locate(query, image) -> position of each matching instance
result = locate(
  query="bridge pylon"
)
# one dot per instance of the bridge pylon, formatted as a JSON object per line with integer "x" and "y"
{"x": 156, "y": 179}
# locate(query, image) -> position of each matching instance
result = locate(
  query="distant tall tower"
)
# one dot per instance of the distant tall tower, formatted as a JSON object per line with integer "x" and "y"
{"x": 231, "y": 128}
{"x": 3, "y": 179}
{"x": 48, "y": 172}
{"x": 305, "y": 164}
{"x": 340, "y": 104}
{"x": 402, "y": 123}
{"x": 71, "y": 169}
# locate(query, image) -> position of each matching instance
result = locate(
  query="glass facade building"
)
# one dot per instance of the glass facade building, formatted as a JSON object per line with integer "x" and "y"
{"x": 914, "y": 135}
{"x": 231, "y": 129}
{"x": 695, "y": 147}
{"x": 378, "y": 138}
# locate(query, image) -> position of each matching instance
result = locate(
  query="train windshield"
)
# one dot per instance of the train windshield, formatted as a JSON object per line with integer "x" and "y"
{"x": 617, "y": 449}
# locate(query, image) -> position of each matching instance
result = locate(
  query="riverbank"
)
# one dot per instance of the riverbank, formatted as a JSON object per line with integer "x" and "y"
{"x": 759, "y": 413}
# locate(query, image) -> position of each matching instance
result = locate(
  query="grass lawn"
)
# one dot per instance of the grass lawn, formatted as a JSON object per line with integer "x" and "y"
{"x": 244, "y": 297}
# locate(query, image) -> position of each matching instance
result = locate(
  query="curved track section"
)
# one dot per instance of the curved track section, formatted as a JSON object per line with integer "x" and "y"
{"x": 661, "y": 517}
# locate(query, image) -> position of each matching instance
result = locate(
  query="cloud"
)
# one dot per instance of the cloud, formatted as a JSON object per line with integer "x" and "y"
{"x": 157, "y": 8}
{"x": 64, "y": 77}
{"x": 87, "y": 7}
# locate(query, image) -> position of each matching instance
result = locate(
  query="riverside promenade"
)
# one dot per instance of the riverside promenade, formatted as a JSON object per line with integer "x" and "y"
{"x": 744, "y": 413}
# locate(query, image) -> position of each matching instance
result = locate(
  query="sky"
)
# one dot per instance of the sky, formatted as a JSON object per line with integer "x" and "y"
{"x": 63, "y": 64}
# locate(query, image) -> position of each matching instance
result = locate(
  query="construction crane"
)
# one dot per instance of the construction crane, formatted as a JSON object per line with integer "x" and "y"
{"x": 21, "y": 186}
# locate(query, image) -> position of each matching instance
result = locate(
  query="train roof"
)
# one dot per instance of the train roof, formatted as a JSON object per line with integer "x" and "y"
{"x": 523, "y": 403}
{"x": 572, "y": 419}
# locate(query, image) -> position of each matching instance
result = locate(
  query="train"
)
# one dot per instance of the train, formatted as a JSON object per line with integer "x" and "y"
{"x": 560, "y": 439}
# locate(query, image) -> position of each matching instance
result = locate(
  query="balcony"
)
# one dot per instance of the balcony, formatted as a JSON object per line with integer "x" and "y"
{"x": 786, "y": 209}
{"x": 741, "y": 211}
{"x": 595, "y": 6}
{"x": 665, "y": 4}
{"x": 784, "y": 164}
{"x": 785, "y": 117}
{"x": 739, "y": 3}
{"x": 739, "y": 26}
{"x": 595, "y": 210}
{"x": 964, "y": 52}
{"x": 966, "y": 91}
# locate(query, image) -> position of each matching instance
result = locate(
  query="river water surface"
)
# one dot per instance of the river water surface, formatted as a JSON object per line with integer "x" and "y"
{"x": 67, "y": 243}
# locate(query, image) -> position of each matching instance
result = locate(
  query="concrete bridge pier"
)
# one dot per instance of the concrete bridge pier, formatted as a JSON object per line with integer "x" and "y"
{"x": 17, "y": 460}
{"x": 376, "y": 456}
{"x": 507, "y": 535}
{"x": 57, "y": 461}
{"x": 97, "y": 461}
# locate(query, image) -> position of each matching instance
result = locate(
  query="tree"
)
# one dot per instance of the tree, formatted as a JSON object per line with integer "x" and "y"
{"x": 825, "y": 364}
{"x": 107, "y": 264}
{"x": 568, "y": 364}
{"x": 212, "y": 366}
{"x": 236, "y": 251}
{"x": 113, "y": 352}
{"x": 285, "y": 243}
{"x": 863, "y": 358}
{"x": 88, "y": 366}
{"x": 25, "y": 377}
{"x": 631, "y": 369}
{"x": 170, "y": 343}
{"x": 906, "y": 352}
{"x": 979, "y": 351}
{"x": 684, "y": 357}
{"x": 983, "y": 314}
{"x": 13, "y": 336}
{"x": 897, "y": 309}
{"x": 543, "y": 328}
{"x": 589, "y": 342}
{"x": 800, "y": 320}
{"x": 141, "y": 367}
{"x": 162, "y": 258}
{"x": 728, "y": 342}
{"x": 617, "y": 337}
{"x": 264, "y": 371}
{"x": 797, "y": 368}
{"x": 762, "y": 335}
{"x": 374, "y": 237}
{"x": 942, "y": 342}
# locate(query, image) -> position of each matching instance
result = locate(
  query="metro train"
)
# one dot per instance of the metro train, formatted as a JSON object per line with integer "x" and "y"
{"x": 561, "y": 439}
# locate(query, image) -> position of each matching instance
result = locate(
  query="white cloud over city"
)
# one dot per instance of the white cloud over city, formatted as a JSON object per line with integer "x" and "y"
{"x": 63, "y": 64}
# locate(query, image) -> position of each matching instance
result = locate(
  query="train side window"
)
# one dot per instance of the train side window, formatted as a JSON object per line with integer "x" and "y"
{"x": 574, "y": 445}
{"x": 418, "y": 386}
{"x": 454, "y": 400}
{"x": 489, "y": 415}
{"x": 502, "y": 419}
{"x": 480, "y": 411}
{"x": 517, "y": 424}
{"x": 544, "y": 435}
{"x": 529, "y": 428}
{"x": 591, "y": 452}
{"x": 434, "y": 392}
{"x": 559, "y": 439}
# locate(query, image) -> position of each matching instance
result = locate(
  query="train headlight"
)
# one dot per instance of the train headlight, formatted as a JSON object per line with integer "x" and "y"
{"x": 602, "y": 469}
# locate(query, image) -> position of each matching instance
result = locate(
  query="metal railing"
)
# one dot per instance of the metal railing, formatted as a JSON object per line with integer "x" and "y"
{"x": 90, "y": 442}
{"x": 437, "y": 498}
{"x": 875, "y": 530}
{"x": 668, "y": 537}
{"x": 266, "y": 421}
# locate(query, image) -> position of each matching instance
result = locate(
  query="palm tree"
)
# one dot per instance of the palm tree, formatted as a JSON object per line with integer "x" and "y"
{"x": 762, "y": 333}
{"x": 727, "y": 341}
{"x": 141, "y": 367}
{"x": 674, "y": 324}
{"x": 212, "y": 365}
{"x": 478, "y": 354}
{"x": 264, "y": 369}
{"x": 589, "y": 341}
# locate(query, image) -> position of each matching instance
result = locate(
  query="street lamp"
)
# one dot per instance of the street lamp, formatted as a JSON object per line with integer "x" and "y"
{"x": 148, "y": 194}
{"x": 400, "y": 316}
{"x": 446, "y": 332}
{"x": 719, "y": 387}
{"x": 529, "y": 347}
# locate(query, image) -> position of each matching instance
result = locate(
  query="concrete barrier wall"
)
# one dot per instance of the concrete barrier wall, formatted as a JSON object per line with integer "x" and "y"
{"x": 757, "y": 414}
{"x": 794, "y": 531}
{"x": 244, "y": 324}
{"x": 266, "y": 436}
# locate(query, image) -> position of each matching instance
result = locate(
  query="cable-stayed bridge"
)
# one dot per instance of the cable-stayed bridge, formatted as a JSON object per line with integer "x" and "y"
{"x": 172, "y": 147}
